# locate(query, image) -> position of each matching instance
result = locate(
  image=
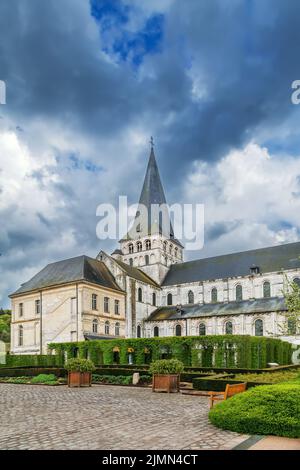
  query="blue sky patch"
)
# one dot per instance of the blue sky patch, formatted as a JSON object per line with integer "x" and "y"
{"x": 118, "y": 40}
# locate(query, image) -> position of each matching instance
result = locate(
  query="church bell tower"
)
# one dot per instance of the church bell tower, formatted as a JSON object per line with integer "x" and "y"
{"x": 150, "y": 244}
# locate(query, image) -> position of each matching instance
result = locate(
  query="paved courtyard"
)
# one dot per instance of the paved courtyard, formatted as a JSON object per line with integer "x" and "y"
{"x": 106, "y": 417}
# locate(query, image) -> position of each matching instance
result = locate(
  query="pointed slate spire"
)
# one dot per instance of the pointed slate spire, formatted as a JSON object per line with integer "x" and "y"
{"x": 152, "y": 193}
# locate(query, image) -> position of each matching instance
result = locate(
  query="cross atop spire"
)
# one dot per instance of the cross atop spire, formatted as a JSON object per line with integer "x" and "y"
{"x": 151, "y": 142}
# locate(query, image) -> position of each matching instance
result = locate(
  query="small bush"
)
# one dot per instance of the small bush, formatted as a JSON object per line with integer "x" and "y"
{"x": 166, "y": 366}
{"x": 15, "y": 380}
{"x": 80, "y": 365}
{"x": 111, "y": 379}
{"x": 44, "y": 379}
{"x": 266, "y": 409}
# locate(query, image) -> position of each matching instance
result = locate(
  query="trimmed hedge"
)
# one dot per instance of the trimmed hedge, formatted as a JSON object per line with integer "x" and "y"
{"x": 24, "y": 360}
{"x": 32, "y": 371}
{"x": 213, "y": 351}
{"x": 268, "y": 409}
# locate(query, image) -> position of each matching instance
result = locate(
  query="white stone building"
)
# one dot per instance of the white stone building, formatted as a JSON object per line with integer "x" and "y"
{"x": 239, "y": 293}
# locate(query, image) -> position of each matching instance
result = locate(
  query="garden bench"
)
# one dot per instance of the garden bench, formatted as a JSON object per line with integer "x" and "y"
{"x": 230, "y": 390}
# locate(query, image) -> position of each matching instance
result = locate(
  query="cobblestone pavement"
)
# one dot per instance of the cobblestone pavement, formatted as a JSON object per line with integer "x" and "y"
{"x": 106, "y": 417}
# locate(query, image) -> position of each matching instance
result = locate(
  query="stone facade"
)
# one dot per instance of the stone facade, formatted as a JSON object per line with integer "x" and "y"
{"x": 65, "y": 313}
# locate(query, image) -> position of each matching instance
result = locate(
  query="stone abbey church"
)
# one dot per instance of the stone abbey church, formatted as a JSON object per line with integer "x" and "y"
{"x": 145, "y": 289}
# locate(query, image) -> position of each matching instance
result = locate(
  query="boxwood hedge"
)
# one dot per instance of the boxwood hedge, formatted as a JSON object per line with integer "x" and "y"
{"x": 267, "y": 409}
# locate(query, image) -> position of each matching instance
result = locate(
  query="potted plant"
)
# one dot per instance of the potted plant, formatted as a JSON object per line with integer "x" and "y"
{"x": 79, "y": 372}
{"x": 166, "y": 373}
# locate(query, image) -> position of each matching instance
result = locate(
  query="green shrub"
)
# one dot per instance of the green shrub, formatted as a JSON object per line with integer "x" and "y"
{"x": 44, "y": 379}
{"x": 80, "y": 365}
{"x": 145, "y": 379}
{"x": 111, "y": 379}
{"x": 15, "y": 380}
{"x": 267, "y": 409}
{"x": 166, "y": 366}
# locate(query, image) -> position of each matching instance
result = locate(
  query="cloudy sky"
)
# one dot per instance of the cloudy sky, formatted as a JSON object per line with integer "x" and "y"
{"x": 88, "y": 83}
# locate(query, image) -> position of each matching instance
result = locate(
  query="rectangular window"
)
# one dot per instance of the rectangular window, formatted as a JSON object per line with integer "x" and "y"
{"x": 37, "y": 307}
{"x": 94, "y": 301}
{"x": 20, "y": 310}
{"x": 117, "y": 307}
{"x": 106, "y": 304}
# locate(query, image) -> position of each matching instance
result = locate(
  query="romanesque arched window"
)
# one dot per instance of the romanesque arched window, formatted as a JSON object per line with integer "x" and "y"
{"x": 106, "y": 327}
{"x": 139, "y": 246}
{"x": 267, "y": 289}
{"x": 176, "y": 252}
{"x": 117, "y": 329}
{"x": 156, "y": 331}
{"x": 169, "y": 299}
{"x": 95, "y": 326}
{"x": 130, "y": 248}
{"x": 20, "y": 335}
{"x": 147, "y": 260}
{"x": 171, "y": 249}
{"x": 178, "y": 330}
{"x": 259, "y": 327}
{"x": 214, "y": 295}
{"x": 165, "y": 245}
{"x": 202, "y": 329}
{"x": 139, "y": 331}
{"x": 228, "y": 328}
{"x": 154, "y": 298}
{"x": 238, "y": 293}
{"x": 140, "y": 295}
{"x": 148, "y": 244}
{"x": 190, "y": 297}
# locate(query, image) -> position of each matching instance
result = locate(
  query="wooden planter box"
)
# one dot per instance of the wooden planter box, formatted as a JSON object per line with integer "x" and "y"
{"x": 165, "y": 383}
{"x": 79, "y": 379}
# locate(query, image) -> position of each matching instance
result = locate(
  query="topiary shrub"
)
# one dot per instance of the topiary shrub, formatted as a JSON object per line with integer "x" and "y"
{"x": 266, "y": 409}
{"x": 166, "y": 367}
{"x": 80, "y": 365}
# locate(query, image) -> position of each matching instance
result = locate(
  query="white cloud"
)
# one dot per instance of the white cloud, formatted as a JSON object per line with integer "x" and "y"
{"x": 252, "y": 199}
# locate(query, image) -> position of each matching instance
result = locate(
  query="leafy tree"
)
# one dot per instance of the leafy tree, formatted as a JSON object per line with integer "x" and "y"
{"x": 5, "y": 319}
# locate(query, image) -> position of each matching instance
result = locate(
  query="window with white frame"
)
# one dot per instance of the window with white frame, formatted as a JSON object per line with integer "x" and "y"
{"x": 117, "y": 307}
{"x": 37, "y": 307}
{"x": 106, "y": 304}
{"x": 94, "y": 301}
{"x": 20, "y": 335}
{"x": 95, "y": 326}
{"x": 21, "y": 310}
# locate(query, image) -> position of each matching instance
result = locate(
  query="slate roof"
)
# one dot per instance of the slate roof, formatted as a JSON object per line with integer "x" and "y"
{"x": 81, "y": 268}
{"x": 152, "y": 193}
{"x": 136, "y": 273}
{"x": 272, "y": 304}
{"x": 271, "y": 259}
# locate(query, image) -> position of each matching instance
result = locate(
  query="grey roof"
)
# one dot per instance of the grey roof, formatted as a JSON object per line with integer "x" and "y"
{"x": 117, "y": 251}
{"x": 152, "y": 194}
{"x": 271, "y": 259}
{"x": 272, "y": 304}
{"x": 136, "y": 273}
{"x": 92, "y": 337}
{"x": 81, "y": 268}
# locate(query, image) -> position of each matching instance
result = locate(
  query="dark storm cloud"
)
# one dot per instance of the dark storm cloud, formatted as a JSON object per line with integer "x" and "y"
{"x": 215, "y": 73}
